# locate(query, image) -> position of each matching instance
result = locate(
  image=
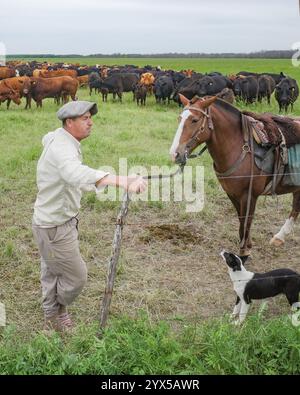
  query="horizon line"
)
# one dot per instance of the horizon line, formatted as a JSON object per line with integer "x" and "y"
{"x": 117, "y": 54}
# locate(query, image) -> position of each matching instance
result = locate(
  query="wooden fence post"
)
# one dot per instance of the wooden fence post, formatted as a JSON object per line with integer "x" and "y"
{"x": 112, "y": 267}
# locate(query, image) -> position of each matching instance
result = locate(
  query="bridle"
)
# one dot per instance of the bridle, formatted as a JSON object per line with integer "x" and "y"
{"x": 196, "y": 136}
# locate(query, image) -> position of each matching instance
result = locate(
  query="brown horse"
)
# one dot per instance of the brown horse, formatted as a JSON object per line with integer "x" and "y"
{"x": 219, "y": 125}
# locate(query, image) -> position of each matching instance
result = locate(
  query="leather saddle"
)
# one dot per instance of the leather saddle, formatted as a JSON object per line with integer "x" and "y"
{"x": 270, "y": 129}
{"x": 276, "y": 143}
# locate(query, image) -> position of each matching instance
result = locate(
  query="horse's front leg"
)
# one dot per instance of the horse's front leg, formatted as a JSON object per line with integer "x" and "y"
{"x": 245, "y": 224}
{"x": 241, "y": 208}
{"x": 279, "y": 239}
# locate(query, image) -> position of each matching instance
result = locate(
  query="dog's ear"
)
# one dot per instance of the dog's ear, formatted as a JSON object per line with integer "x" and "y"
{"x": 236, "y": 262}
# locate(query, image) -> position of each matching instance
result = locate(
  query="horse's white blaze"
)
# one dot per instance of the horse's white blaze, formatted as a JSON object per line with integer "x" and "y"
{"x": 286, "y": 229}
{"x": 184, "y": 115}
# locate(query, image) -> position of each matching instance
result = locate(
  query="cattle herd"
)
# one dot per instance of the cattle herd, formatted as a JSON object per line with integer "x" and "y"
{"x": 37, "y": 81}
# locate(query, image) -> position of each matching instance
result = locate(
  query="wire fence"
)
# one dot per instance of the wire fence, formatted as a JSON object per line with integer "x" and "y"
{"x": 178, "y": 175}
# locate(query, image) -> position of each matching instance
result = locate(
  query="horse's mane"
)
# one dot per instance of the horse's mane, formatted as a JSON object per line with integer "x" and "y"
{"x": 271, "y": 122}
{"x": 227, "y": 106}
{"x": 219, "y": 102}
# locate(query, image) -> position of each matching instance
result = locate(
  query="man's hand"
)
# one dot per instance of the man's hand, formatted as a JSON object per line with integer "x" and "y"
{"x": 136, "y": 184}
{"x": 133, "y": 183}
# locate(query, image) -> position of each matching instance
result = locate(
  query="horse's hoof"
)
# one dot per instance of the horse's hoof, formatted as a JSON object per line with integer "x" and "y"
{"x": 246, "y": 259}
{"x": 276, "y": 242}
{"x": 245, "y": 252}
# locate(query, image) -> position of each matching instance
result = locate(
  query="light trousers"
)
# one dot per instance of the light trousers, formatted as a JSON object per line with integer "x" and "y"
{"x": 63, "y": 271}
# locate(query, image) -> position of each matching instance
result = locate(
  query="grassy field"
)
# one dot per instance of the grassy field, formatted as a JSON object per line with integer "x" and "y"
{"x": 169, "y": 266}
{"x": 139, "y": 346}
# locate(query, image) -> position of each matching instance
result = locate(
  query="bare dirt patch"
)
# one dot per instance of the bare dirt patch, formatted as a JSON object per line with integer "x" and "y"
{"x": 180, "y": 235}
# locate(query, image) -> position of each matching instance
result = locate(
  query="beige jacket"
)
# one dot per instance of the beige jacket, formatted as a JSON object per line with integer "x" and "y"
{"x": 61, "y": 178}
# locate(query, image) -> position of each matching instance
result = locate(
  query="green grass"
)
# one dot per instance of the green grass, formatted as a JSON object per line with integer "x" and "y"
{"x": 163, "y": 276}
{"x": 140, "y": 346}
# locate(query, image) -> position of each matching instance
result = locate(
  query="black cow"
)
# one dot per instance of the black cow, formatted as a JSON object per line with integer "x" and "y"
{"x": 163, "y": 88}
{"x": 94, "y": 80}
{"x": 266, "y": 86}
{"x": 118, "y": 83}
{"x": 104, "y": 92}
{"x": 84, "y": 70}
{"x": 177, "y": 78}
{"x": 276, "y": 77}
{"x": 140, "y": 94}
{"x": 207, "y": 85}
{"x": 24, "y": 70}
{"x": 183, "y": 84}
{"x": 214, "y": 73}
{"x": 247, "y": 73}
{"x": 245, "y": 88}
{"x": 286, "y": 93}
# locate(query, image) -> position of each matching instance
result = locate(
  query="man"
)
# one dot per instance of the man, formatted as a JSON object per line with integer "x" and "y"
{"x": 61, "y": 178}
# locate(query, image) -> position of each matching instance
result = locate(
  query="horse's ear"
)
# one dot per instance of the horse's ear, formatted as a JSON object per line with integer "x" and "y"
{"x": 184, "y": 100}
{"x": 207, "y": 102}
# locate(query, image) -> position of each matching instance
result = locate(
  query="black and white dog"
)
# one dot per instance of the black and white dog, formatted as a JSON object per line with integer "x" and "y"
{"x": 249, "y": 285}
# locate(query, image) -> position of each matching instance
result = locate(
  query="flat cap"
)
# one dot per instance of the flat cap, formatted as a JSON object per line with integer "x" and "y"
{"x": 75, "y": 109}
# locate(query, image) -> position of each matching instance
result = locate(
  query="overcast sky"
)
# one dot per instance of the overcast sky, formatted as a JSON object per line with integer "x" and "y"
{"x": 147, "y": 26}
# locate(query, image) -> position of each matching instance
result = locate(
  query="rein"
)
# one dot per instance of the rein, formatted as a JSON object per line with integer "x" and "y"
{"x": 249, "y": 136}
{"x": 195, "y": 137}
{"x": 203, "y": 149}
{"x": 246, "y": 148}
{"x": 160, "y": 176}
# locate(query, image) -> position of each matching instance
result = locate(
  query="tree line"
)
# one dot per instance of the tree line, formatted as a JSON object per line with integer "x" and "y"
{"x": 273, "y": 54}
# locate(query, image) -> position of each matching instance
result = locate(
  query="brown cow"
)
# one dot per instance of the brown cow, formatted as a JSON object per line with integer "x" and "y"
{"x": 58, "y": 73}
{"x": 56, "y": 87}
{"x": 44, "y": 73}
{"x": 6, "y": 93}
{"x": 148, "y": 79}
{"x": 104, "y": 72}
{"x": 188, "y": 72}
{"x": 7, "y": 72}
{"x": 21, "y": 85}
{"x": 36, "y": 73}
{"x": 83, "y": 80}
